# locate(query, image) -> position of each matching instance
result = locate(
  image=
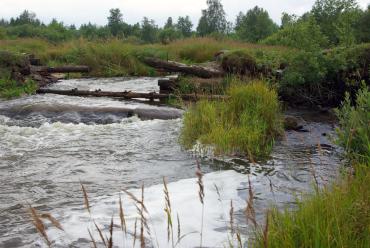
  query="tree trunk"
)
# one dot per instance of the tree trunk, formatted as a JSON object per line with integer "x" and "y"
{"x": 172, "y": 66}
{"x": 129, "y": 94}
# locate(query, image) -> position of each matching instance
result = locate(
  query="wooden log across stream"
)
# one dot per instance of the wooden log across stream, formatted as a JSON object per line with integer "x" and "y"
{"x": 130, "y": 95}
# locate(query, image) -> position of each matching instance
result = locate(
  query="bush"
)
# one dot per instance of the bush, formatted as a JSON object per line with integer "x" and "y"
{"x": 245, "y": 124}
{"x": 304, "y": 35}
{"x": 354, "y": 127}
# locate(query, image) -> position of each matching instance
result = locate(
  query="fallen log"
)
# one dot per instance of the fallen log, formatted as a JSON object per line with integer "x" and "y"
{"x": 130, "y": 95}
{"x": 61, "y": 69}
{"x": 172, "y": 66}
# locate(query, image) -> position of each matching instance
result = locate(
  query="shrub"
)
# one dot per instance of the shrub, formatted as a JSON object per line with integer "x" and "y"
{"x": 304, "y": 35}
{"x": 245, "y": 124}
{"x": 354, "y": 127}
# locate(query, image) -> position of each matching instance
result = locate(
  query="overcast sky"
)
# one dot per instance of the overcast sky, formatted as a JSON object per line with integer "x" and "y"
{"x": 96, "y": 11}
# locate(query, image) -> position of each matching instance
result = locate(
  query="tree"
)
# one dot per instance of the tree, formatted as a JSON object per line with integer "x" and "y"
{"x": 288, "y": 20}
{"x": 169, "y": 23}
{"x": 115, "y": 22}
{"x": 168, "y": 35}
{"x": 184, "y": 26}
{"x": 328, "y": 13}
{"x": 363, "y": 26}
{"x": 148, "y": 30}
{"x": 26, "y": 17}
{"x": 213, "y": 19}
{"x": 255, "y": 25}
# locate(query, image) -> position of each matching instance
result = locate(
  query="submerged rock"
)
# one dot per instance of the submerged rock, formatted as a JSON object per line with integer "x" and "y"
{"x": 293, "y": 123}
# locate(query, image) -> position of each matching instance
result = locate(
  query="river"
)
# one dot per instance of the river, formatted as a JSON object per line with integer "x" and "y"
{"x": 50, "y": 143}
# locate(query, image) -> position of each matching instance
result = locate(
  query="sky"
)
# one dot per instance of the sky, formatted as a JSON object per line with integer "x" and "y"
{"x": 96, "y": 11}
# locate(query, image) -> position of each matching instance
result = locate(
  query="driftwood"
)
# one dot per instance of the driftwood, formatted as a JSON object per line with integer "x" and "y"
{"x": 172, "y": 66}
{"x": 130, "y": 95}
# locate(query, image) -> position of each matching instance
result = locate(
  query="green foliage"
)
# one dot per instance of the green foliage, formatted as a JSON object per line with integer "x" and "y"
{"x": 305, "y": 68}
{"x": 255, "y": 25}
{"x": 3, "y": 34}
{"x": 115, "y": 22}
{"x": 245, "y": 124}
{"x": 168, "y": 35}
{"x": 303, "y": 34}
{"x": 148, "y": 31}
{"x": 354, "y": 127}
{"x": 213, "y": 19}
{"x": 363, "y": 27}
{"x": 184, "y": 26}
{"x": 336, "y": 216}
{"x": 10, "y": 88}
{"x": 336, "y": 18}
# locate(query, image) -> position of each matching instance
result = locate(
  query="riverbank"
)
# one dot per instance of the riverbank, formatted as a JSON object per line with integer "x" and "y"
{"x": 301, "y": 77}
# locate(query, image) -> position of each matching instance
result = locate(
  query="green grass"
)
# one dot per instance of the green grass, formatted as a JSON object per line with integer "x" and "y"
{"x": 121, "y": 58}
{"x": 337, "y": 216}
{"x": 10, "y": 88}
{"x": 245, "y": 124}
{"x": 354, "y": 131}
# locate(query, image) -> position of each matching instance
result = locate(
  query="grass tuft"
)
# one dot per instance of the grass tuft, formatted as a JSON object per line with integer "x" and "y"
{"x": 246, "y": 124}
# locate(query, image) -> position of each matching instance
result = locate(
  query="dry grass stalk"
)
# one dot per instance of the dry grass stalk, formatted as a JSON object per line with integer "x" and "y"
{"x": 53, "y": 221}
{"x": 143, "y": 221}
{"x": 313, "y": 172}
{"x": 39, "y": 225}
{"x": 135, "y": 199}
{"x": 135, "y": 232}
{"x": 250, "y": 213}
{"x": 266, "y": 231}
{"x": 231, "y": 213}
{"x": 178, "y": 228}
{"x": 239, "y": 238}
{"x": 92, "y": 239}
{"x": 100, "y": 234}
{"x": 199, "y": 175}
{"x": 218, "y": 193}
{"x": 86, "y": 198}
{"x": 110, "y": 240}
{"x": 122, "y": 216}
{"x": 168, "y": 212}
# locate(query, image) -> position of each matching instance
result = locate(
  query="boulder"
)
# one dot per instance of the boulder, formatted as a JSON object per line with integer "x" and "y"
{"x": 293, "y": 123}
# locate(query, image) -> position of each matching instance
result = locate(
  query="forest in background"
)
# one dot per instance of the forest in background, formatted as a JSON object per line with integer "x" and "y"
{"x": 329, "y": 23}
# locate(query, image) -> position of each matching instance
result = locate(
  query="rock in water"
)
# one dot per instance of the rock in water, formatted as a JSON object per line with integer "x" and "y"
{"x": 292, "y": 123}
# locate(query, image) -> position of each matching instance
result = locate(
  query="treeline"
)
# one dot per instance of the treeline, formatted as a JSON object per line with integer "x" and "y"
{"x": 329, "y": 23}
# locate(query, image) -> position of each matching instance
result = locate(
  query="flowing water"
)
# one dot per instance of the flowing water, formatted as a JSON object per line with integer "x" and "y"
{"x": 50, "y": 143}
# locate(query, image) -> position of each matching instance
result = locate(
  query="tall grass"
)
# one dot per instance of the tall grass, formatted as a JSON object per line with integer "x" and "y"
{"x": 120, "y": 58}
{"x": 245, "y": 124}
{"x": 354, "y": 131}
{"x": 337, "y": 216}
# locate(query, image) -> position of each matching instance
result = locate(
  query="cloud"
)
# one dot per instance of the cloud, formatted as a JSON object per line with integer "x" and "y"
{"x": 83, "y": 11}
